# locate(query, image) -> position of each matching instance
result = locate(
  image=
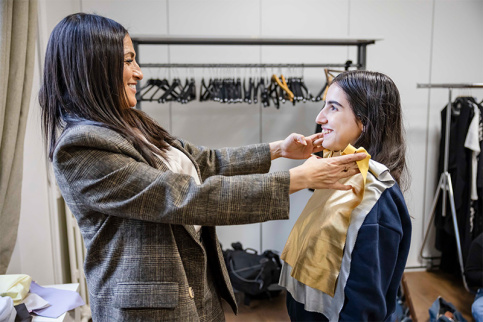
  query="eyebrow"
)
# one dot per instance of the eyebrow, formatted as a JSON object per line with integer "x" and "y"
{"x": 129, "y": 53}
{"x": 335, "y": 103}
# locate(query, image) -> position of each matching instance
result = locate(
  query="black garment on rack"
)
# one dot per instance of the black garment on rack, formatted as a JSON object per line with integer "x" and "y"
{"x": 478, "y": 217}
{"x": 474, "y": 264}
{"x": 460, "y": 169}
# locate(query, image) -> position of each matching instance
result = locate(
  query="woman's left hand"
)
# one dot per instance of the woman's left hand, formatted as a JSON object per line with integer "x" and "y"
{"x": 297, "y": 146}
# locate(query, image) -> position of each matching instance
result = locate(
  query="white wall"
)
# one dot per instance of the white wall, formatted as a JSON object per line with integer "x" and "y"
{"x": 422, "y": 41}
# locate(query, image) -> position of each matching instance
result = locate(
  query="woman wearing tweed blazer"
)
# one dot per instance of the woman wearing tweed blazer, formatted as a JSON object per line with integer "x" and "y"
{"x": 147, "y": 203}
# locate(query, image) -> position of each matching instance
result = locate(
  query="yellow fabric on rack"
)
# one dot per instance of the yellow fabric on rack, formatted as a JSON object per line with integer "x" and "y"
{"x": 315, "y": 246}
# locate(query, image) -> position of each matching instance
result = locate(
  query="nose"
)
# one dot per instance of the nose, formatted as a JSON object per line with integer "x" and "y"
{"x": 137, "y": 73}
{"x": 321, "y": 118}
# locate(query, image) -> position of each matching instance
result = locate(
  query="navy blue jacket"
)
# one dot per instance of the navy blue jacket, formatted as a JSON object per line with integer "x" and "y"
{"x": 378, "y": 260}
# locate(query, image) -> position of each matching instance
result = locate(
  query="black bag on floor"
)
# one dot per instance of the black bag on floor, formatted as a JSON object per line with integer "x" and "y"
{"x": 250, "y": 272}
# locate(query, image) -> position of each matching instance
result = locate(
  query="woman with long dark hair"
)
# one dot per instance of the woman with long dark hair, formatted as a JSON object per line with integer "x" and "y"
{"x": 147, "y": 203}
{"x": 346, "y": 254}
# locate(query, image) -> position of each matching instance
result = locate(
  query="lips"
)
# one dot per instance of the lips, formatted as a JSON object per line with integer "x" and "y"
{"x": 326, "y": 131}
{"x": 132, "y": 87}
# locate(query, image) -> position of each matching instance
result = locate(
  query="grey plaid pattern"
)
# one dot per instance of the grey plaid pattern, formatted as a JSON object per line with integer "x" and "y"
{"x": 144, "y": 259}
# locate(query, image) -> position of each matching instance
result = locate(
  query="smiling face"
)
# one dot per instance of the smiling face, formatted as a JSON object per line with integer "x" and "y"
{"x": 339, "y": 123}
{"x": 132, "y": 72}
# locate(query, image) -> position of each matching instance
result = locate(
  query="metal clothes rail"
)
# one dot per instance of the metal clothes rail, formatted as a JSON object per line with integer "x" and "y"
{"x": 149, "y": 65}
{"x": 445, "y": 182}
{"x": 361, "y": 45}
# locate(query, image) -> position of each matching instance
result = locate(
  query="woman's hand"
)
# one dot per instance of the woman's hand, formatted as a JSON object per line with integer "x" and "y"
{"x": 324, "y": 173}
{"x": 297, "y": 146}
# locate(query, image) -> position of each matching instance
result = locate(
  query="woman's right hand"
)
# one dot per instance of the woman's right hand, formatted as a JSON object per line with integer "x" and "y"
{"x": 324, "y": 173}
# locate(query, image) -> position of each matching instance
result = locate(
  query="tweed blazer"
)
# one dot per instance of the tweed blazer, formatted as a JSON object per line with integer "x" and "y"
{"x": 144, "y": 261}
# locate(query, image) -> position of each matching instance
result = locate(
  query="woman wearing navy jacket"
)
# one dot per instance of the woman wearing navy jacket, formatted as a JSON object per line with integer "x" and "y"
{"x": 358, "y": 279}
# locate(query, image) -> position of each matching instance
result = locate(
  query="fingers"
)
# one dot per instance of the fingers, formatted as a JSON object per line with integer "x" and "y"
{"x": 349, "y": 173}
{"x": 315, "y": 136}
{"x": 299, "y": 138}
{"x": 317, "y": 149}
{"x": 344, "y": 159}
{"x": 318, "y": 142}
{"x": 340, "y": 186}
{"x": 316, "y": 139}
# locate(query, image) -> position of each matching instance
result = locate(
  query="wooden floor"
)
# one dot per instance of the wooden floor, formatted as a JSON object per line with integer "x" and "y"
{"x": 273, "y": 309}
{"x": 424, "y": 288}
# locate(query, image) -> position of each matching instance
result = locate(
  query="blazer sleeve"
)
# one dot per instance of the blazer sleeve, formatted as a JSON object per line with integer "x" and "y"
{"x": 378, "y": 260}
{"x": 98, "y": 170}
{"x": 230, "y": 161}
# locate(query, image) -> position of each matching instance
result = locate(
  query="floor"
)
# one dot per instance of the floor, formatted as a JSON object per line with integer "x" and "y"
{"x": 273, "y": 309}
{"x": 424, "y": 288}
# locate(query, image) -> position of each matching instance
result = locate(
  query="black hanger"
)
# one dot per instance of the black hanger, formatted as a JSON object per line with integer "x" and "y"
{"x": 150, "y": 84}
{"x": 255, "y": 91}
{"x": 206, "y": 91}
{"x": 273, "y": 94}
{"x": 238, "y": 92}
{"x": 170, "y": 94}
{"x": 161, "y": 85}
{"x": 248, "y": 92}
{"x": 348, "y": 64}
{"x": 264, "y": 96}
{"x": 188, "y": 93}
{"x": 307, "y": 96}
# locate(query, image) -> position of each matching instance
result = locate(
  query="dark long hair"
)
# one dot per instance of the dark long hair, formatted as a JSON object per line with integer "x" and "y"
{"x": 83, "y": 83}
{"x": 375, "y": 100}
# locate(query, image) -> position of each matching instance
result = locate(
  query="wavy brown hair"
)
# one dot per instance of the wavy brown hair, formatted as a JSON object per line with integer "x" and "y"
{"x": 83, "y": 84}
{"x": 375, "y": 100}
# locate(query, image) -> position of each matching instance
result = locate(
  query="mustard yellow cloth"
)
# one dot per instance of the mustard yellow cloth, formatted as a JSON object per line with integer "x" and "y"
{"x": 315, "y": 246}
{"x": 15, "y": 286}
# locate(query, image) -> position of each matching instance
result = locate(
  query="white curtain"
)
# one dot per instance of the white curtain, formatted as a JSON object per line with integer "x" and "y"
{"x": 18, "y": 31}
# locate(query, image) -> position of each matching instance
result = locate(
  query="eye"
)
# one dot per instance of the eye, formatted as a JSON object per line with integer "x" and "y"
{"x": 128, "y": 61}
{"x": 333, "y": 108}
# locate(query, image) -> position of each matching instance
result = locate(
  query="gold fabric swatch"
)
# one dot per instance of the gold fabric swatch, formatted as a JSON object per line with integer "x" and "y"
{"x": 315, "y": 246}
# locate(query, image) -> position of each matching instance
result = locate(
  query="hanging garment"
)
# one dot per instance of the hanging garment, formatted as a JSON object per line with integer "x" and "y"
{"x": 373, "y": 261}
{"x": 472, "y": 142}
{"x": 477, "y": 219}
{"x": 460, "y": 170}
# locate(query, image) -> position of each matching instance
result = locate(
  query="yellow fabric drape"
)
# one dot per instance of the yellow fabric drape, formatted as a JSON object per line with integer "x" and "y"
{"x": 315, "y": 246}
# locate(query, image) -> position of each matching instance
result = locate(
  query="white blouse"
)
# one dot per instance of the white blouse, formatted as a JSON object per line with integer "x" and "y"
{"x": 178, "y": 162}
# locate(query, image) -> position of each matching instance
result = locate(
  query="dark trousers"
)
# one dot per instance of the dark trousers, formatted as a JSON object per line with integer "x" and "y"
{"x": 297, "y": 312}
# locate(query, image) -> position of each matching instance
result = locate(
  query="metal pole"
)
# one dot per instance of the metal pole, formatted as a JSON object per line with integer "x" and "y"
{"x": 432, "y": 213}
{"x": 361, "y": 56}
{"x": 456, "y": 231}
{"x": 446, "y": 149}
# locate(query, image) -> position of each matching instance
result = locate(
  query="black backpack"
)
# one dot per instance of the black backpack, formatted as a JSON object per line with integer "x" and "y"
{"x": 251, "y": 273}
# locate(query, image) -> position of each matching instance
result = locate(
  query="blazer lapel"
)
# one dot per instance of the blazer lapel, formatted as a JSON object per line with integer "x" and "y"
{"x": 192, "y": 231}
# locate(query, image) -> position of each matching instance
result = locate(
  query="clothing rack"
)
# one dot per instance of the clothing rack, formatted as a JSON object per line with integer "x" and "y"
{"x": 361, "y": 45}
{"x": 445, "y": 183}
{"x": 247, "y": 65}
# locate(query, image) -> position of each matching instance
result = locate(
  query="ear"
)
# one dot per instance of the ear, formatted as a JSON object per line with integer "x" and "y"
{"x": 361, "y": 126}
